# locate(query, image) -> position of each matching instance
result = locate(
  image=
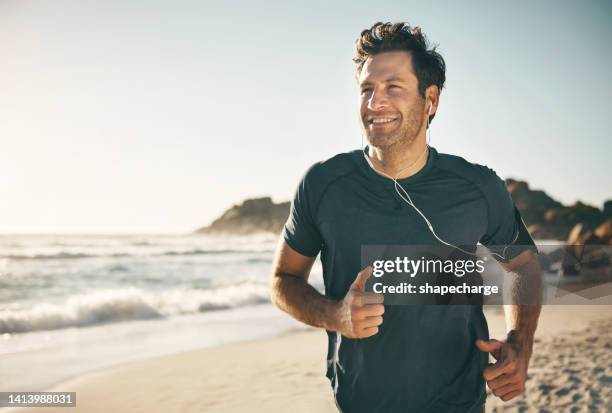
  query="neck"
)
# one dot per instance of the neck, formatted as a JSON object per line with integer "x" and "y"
{"x": 400, "y": 161}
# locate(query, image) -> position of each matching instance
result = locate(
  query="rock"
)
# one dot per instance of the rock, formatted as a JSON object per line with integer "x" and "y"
{"x": 578, "y": 213}
{"x": 252, "y": 216}
{"x": 585, "y": 250}
{"x": 604, "y": 231}
{"x": 579, "y": 235}
{"x": 532, "y": 204}
{"x": 547, "y": 218}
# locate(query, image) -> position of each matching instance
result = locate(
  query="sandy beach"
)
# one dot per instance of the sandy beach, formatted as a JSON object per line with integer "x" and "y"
{"x": 571, "y": 371}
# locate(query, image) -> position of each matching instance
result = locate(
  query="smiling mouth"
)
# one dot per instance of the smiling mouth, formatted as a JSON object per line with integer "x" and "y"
{"x": 381, "y": 121}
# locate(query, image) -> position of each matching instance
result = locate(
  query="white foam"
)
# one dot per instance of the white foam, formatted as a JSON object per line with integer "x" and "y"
{"x": 128, "y": 304}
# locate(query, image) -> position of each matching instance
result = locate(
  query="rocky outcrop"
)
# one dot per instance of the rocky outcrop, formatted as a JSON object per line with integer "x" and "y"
{"x": 253, "y": 215}
{"x": 545, "y": 217}
{"x": 585, "y": 230}
{"x": 549, "y": 219}
{"x": 533, "y": 205}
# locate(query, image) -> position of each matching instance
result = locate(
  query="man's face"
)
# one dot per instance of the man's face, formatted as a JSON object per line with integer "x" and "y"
{"x": 391, "y": 108}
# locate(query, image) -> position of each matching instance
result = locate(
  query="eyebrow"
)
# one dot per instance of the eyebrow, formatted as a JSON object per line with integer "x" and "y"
{"x": 388, "y": 80}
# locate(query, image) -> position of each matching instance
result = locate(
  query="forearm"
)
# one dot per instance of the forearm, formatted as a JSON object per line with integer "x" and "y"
{"x": 301, "y": 300}
{"x": 523, "y": 313}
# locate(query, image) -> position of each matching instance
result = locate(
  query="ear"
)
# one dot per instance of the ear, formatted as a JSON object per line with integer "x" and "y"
{"x": 432, "y": 99}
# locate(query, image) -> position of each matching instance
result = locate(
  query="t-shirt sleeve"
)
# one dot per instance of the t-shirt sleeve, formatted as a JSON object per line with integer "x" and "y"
{"x": 506, "y": 235}
{"x": 301, "y": 231}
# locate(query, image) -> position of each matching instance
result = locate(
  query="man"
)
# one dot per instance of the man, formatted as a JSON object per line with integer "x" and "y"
{"x": 404, "y": 358}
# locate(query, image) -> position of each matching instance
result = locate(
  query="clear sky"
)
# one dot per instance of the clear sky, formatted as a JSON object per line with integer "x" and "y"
{"x": 145, "y": 116}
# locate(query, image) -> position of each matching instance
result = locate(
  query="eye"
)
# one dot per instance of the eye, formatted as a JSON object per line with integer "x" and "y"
{"x": 395, "y": 87}
{"x": 366, "y": 90}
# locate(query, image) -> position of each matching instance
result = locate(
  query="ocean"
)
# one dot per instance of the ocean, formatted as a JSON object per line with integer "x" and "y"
{"x": 76, "y": 303}
{"x": 73, "y": 304}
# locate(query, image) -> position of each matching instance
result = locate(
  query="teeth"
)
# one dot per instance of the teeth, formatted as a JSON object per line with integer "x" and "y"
{"x": 382, "y": 120}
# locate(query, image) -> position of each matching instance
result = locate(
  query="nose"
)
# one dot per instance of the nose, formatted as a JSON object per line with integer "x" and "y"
{"x": 378, "y": 99}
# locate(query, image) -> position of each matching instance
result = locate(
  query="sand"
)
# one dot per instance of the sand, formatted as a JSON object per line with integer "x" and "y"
{"x": 568, "y": 373}
{"x": 571, "y": 371}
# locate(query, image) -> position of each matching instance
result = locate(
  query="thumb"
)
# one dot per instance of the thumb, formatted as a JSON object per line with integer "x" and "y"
{"x": 360, "y": 280}
{"x": 490, "y": 346}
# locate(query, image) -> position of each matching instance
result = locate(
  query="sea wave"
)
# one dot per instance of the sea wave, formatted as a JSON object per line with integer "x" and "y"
{"x": 123, "y": 304}
{"x": 206, "y": 252}
{"x": 58, "y": 256}
{"x": 71, "y": 255}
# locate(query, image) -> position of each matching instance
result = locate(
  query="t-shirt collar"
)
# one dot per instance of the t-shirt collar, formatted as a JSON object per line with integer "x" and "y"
{"x": 371, "y": 174}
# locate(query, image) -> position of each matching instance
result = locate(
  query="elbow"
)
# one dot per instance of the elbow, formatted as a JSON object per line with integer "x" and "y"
{"x": 526, "y": 261}
{"x": 275, "y": 288}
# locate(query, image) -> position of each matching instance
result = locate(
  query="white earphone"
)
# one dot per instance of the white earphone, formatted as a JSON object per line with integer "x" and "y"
{"x": 406, "y": 197}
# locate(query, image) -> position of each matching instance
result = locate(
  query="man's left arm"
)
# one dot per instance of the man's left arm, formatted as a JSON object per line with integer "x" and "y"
{"x": 506, "y": 378}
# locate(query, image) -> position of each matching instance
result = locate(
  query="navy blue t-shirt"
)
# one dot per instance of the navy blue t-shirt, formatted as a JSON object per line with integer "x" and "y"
{"x": 423, "y": 358}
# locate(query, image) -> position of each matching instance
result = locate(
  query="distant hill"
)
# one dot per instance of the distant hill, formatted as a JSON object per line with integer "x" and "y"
{"x": 545, "y": 217}
{"x": 253, "y": 215}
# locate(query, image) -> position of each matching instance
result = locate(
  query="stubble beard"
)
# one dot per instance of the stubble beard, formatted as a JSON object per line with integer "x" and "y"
{"x": 401, "y": 139}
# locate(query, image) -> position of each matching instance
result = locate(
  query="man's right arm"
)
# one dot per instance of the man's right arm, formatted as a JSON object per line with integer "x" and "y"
{"x": 357, "y": 315}
{"x": 292, "y": 293}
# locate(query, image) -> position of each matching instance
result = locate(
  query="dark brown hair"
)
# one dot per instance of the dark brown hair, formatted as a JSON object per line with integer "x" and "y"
{"x": 427, "y": 63}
